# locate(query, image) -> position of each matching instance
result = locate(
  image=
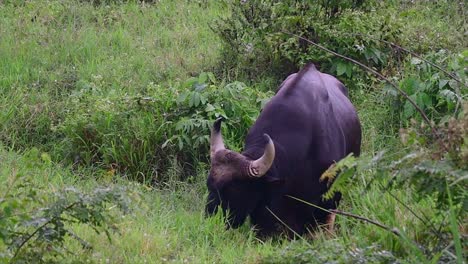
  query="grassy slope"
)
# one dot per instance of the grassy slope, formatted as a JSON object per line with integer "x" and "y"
{"x": 167, "y": 224}
{"x": 49, "y": 47}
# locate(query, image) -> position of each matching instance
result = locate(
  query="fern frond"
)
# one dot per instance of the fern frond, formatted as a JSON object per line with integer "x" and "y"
{"x": 345, "y": 168}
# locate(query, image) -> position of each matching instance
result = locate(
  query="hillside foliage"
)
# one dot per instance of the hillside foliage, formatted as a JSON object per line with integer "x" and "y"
{"x": 106, "y": 106}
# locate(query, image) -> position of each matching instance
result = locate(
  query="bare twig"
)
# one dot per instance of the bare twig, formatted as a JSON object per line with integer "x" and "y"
{"x": 83, "y": 243}
{"x": 394, "y": 230}
{"x": 421, "y": 112}
{"x": 425, "y": 221}
{"x": 39, "y": 229}
{"x": 413, "y": 54}
{"x": 283, "y": 223}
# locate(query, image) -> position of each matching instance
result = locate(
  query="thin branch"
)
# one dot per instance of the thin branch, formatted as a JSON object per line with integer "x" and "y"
{"x": 40, "y": 228}
{"x": 83, "y": 243}
{"x": 394, "y": 230}
{"x": 457, "y": 90}
{"x": 425, "y": 221}
{"x": 412, "y": 53}
{"x": 421, "y": 112}
{"x": 282, "y": 222}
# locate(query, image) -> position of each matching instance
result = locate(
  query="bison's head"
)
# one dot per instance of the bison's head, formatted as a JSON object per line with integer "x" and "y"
{"x": 234, "y": 179}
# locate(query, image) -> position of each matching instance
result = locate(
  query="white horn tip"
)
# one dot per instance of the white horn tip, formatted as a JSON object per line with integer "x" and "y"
{"x": 267, "y": 137}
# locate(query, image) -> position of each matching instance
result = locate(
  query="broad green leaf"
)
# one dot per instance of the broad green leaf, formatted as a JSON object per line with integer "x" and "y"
{"x": 442, "y": 83}
{"x": 453, "y": 84}
{"x": 378, "y": 54}
{"x": 349, "y": 70}
{"x": 221, "y": 113}
{"x": 182, "y": 97}
{"x": 448, "y": 95}
{"x": 211, "y": 77}
{"x": 426, "y": 100}
{"x": 209, "y": 108}
{"x": 408, "y": 110}
{"x": 202, "y": 78}
{"x": 194, "y": 100}
{"x": 409, "y": 85}
{"x": 340, "y": 68}
{"x": 181, "y": 143}
{"x": 190, "y": 82}
{"x": 200, "y": 86}
{"x": 389, "y": 90}
{"x": 203, "y": 99}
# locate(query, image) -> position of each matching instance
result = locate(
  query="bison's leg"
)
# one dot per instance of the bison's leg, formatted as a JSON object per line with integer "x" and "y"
{"x": 330, "y": 223}
{"x": 280, "y": 217}
{"x": 324, "y": 218}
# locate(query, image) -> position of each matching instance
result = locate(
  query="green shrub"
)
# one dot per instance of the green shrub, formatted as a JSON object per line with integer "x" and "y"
{"x": 143, "y": 134}
{"x": 436, "y": 93}
{"x": 255, "y": 35}
{"x": 258, "y": 43}
{"x": 430, "y": 169}
{"x": 435, "y": 163}
{"x": 35, "y": 223}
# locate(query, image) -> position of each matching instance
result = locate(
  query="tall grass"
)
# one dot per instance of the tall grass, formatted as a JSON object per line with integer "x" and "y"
{"x": 52, "y": 49}
{"x": 167, "y": 224}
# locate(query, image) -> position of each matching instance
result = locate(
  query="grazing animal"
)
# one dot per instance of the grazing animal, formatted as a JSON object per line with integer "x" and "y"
{"x": 307, "y": 126}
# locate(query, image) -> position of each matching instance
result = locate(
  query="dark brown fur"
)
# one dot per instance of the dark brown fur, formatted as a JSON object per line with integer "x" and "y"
{"x": 312, "y": 124}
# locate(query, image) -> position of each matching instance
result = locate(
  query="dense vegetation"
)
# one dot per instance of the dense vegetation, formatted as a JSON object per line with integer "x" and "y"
{"x": 105, "y": 109}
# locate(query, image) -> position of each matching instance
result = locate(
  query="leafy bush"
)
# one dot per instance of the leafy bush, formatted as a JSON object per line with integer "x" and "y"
{"x": 437, "y": 167}
{"x": 433, "y": 168}
{"x": 258, "y": 33}
{"x": 34, "y": 224}
{"x": 436, "y": 93}
{"x": 436, "y": 163}
{"x": 255, "y": 35}
{"x": 143, "y": 134}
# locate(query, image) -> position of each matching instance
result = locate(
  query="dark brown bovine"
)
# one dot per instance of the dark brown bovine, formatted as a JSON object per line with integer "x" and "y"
{"x": 307, "y": 126}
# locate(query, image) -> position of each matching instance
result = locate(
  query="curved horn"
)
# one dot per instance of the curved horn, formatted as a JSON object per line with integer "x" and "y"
{"x": 216, "y": 140}
{"x": 259, "y": 167}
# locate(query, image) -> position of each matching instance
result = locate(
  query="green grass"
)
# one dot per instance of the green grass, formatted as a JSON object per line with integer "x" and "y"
{"x": 51, "y": 49}
{"x": 68, "y": 64}
{"x": 167, "y": 224}
{"x": 131, "y": 45}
